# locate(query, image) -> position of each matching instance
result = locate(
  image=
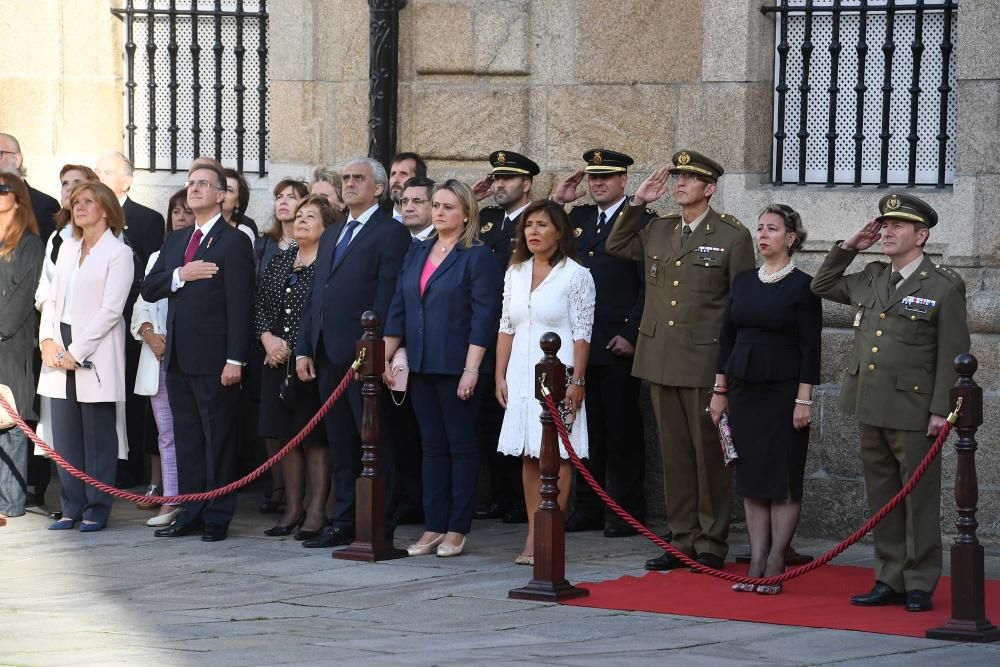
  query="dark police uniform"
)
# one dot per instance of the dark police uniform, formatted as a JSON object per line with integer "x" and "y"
{"x": 617, "y": 447}
{"x": 501, "y": 490}
{"x": 496, "y": 230}
{"x": 900, "y": 372}
{"x": 687, "y": 288}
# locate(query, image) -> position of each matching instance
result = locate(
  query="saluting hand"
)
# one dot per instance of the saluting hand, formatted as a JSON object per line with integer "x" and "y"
{"x": 864, "y": 238}
{"x": 566, "y": 190}
{"x": 483, "y": 188}
{"x": 653, "y": 187}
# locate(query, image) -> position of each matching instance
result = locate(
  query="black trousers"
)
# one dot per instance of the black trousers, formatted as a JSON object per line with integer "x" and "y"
{"x": 499, "y": 475}
{"x": 617, "y": 448}
{"x": 405, "y": 432}
{"x": 206, "y": 416}
{"x": 343, "y": 432}
{"x": 84, "y": 434}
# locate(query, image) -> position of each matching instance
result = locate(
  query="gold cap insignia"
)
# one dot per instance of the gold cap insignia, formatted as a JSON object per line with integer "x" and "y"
{"x": 578, "y": 232}
{"x": 683, "y": 158}
{"x": 893, "y": 203}
{"x": 501, "y": 158}
{"x": 485, "y": 228}
{"x": 598, "y": 158}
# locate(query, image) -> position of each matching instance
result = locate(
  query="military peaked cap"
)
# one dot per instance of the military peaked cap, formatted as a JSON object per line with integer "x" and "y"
{"x": 906, "y": 207}
{"x": 690, "y": 162}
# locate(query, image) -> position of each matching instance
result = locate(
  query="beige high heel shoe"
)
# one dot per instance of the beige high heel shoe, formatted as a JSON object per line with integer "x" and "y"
{"x": 424, "y": 549}
{"x": 447, "y": 550}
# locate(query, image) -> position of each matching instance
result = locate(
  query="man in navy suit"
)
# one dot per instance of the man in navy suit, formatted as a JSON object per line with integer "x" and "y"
{"x": 206, "y": 271}
{"x": 357, "y": 265}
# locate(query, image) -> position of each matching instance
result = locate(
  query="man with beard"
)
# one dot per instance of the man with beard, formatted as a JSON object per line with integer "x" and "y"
{"x": 403, "y": 167}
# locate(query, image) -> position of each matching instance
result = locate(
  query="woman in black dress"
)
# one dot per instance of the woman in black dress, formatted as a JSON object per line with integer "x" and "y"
{"x": 769, "y": 357}
{"x": 281, "y": 293}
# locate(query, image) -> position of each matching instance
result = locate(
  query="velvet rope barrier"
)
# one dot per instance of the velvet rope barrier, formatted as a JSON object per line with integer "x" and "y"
{"x": 736, "y": 578}
{"x": 187, "y": 497}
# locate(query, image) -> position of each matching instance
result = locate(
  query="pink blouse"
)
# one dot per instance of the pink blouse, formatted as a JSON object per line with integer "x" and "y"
{"x": 426, "y": 274}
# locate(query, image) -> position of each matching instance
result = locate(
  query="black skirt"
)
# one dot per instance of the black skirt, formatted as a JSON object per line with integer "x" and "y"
{"x": 772, "y": 453}
{"x": 278, "y": 421}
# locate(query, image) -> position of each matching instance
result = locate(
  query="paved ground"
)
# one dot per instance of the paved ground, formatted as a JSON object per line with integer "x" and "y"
{"x": 123, "y": 597}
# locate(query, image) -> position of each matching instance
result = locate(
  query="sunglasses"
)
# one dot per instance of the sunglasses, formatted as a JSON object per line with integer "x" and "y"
{"x": 5, "y": 188}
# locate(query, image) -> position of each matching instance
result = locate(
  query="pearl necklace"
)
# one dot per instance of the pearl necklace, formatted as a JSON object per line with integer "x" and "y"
{"x": 768, "y": 278}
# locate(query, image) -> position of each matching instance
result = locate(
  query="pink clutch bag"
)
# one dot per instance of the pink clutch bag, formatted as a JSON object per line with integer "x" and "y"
{"x": 399, "y": 370}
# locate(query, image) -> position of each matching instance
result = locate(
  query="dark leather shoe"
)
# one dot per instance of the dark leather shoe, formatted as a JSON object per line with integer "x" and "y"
{"x": 302, "y": 535}
{"x": 880, "y": 595}
{"x": 620, "y": 530}
{"x": 578, "y": 523}
{"x": 178, "y": 529}
{"x": 664, "y": 562}
{"x": 491, "y": 511}
{"x": 330, "y": 537}
{"x": 710, "y": 560}
{"x": 215, "y": 533}
{"x": 918, "y": 601}
{"x": 518, "y": 515}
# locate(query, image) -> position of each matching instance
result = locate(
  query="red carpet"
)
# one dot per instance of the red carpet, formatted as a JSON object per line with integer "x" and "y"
{"x": 820, "y": 599}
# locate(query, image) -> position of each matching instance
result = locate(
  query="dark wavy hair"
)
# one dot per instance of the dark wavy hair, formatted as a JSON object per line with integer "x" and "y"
{"x": 566, "y": 248}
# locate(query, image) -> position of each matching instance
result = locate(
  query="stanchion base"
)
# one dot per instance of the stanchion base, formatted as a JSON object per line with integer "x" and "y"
{"x": 547, "y": 591}
{"x": 966, "y": 631}
{"x": 369, "y": 553}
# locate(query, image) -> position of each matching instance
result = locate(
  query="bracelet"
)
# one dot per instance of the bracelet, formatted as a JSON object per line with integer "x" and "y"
{"x": 720, "y": 391}
{"x": 578, "y": 383}
{"x": 143, "y": 331}
{"x": 469, "y": 370}
{"x": 802, "y": 401}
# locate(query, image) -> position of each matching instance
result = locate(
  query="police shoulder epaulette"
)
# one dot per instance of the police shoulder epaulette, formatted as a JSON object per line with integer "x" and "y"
{"x": 731, "y": 221}
{"x": 950, "y": 274}
{"x": 576, "y": 206}
{"x": 491, "y": 208}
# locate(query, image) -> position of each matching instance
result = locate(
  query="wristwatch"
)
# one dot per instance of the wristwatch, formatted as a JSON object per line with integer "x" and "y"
{"x": 578, "y": 383}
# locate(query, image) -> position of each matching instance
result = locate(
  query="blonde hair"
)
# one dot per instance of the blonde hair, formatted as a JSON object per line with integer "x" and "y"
{"x": 108, "y": 201}
{"x": 467, "y": 198}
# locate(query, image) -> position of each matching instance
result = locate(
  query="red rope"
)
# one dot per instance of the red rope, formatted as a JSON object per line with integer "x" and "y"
{"x": 728, "y": 576}
{"x": 187, "y": 497}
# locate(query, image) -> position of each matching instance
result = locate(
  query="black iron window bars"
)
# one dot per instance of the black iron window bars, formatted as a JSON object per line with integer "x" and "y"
{"x": 196, "y": 82}
{"x": 876, "y": 136}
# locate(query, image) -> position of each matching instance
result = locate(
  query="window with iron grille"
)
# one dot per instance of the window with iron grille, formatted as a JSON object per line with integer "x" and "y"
{"x": 864, "y": 92}
{"x": 196, "y": 83}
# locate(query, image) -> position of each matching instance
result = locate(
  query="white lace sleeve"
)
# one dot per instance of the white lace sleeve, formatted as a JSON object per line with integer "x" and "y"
{"x": 506, "y": 326}
{"x": 582, "y": 294}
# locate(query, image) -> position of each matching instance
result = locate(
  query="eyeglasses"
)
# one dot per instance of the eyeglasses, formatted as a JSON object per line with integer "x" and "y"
{"x": 416, "y": 201}
{"x": 201, "y": 185}
{"x": 2, "y": 153}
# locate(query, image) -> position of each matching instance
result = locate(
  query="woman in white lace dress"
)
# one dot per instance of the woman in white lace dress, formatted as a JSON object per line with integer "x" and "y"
{"x": 544, "y": 290}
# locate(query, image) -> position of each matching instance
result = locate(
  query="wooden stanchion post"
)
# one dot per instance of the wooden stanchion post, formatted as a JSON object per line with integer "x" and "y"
{"x": 968, "y": 622}
{"x": 549, "y": 583}
{"x": 370, "y": 543}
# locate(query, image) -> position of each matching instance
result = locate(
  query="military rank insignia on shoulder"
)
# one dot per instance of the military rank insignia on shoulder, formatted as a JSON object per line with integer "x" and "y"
{"x": 584, "y": 206}
{"x": 731, "y": 221}
{"x": 950, "y": 274}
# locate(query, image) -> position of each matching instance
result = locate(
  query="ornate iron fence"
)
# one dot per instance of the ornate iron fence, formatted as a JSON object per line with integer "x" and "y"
{"x": 898, "y": 128}
{"x": 203, "y": 82}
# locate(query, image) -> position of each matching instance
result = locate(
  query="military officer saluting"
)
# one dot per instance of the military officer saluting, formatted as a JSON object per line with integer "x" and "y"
{"x": 689, "y": 263}
{"x": 509, "y": 181}
{"x": 617, "y": 449}
{"x": 909, "y": 325}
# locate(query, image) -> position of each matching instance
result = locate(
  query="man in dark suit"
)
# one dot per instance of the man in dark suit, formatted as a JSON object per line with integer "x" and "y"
{"x": 144, "y": 229}
{"x": 44, "y": 206}
{"x": 357, "y": 265}
{"x": 617, "y": 450}
{"x": 206, "y": 271}
{"x": 501, "y": 492}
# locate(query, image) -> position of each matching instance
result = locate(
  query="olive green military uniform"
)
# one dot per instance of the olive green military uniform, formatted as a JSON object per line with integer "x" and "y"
{"x": 900, "y": 373}
{"x": 687, "y": 287}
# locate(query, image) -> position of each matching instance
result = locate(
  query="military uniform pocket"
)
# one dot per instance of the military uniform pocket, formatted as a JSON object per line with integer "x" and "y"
{"x": 917, "y": 327}
{"x": 647, "y": 327}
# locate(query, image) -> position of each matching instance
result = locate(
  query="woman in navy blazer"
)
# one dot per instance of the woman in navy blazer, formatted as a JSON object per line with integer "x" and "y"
{"x": 445, "y": 311}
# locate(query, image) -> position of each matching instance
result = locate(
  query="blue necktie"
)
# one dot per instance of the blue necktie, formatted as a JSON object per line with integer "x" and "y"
{"x": 601, "y": 222}
{"x": 345, "y": 240}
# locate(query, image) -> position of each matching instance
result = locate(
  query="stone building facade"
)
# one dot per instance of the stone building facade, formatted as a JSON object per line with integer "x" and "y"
{"x": 550, "y": 79}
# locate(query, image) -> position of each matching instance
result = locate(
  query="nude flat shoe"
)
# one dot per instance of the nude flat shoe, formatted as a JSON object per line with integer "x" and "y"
{"x": 447, "y": 551}
{"x": 418, "y": 549}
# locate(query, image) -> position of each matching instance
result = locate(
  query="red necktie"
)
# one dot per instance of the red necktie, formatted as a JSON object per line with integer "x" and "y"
{"x": 192, "y": 246}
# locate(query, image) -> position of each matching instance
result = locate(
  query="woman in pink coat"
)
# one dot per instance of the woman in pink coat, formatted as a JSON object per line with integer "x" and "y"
{"x": 82, "y": 338}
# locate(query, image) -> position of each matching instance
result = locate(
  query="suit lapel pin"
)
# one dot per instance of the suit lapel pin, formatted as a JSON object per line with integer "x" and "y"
{"x": 209, "y": 244}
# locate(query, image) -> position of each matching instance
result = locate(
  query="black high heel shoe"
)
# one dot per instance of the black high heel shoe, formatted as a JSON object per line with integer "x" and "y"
{"x": 275, "y": 503}
{"x": 282, "y": 531}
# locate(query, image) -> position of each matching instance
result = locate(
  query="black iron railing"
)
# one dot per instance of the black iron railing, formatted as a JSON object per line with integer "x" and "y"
{"x": 903, "y": 136}
{"x": 200, "y": 87}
